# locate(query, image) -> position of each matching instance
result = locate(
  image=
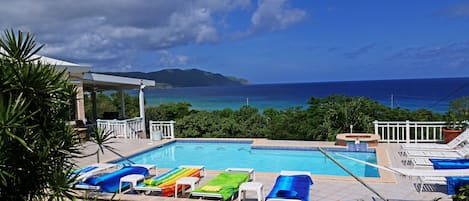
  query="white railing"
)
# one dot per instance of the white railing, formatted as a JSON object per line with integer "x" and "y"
{"x": 409, "y": 131}
{"x": 166, "y": 128}
{"x": 128, "y": 128}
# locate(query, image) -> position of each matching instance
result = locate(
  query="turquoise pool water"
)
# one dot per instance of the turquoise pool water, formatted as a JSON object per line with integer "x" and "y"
{"x": 219, "y": 156}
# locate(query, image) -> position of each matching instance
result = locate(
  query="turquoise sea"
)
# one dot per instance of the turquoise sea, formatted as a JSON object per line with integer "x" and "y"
{"x": 432, "y": 94}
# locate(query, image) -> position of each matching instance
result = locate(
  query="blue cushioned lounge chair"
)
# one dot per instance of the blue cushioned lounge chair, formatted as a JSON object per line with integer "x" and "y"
{"x": 110, "y": 182}
{"x": 291, "y": 186}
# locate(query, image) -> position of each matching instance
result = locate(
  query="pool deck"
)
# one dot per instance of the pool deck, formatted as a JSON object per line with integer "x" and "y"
{"x": 324, "y": 187}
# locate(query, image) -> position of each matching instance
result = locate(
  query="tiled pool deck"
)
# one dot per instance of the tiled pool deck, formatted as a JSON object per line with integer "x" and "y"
{"x": 324, "y": 187}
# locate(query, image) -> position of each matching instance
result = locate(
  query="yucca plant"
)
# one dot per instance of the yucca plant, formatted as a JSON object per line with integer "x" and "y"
{"x": 36, "y": 143}
{"x": 103, "y": 139}
{"x": 463, "y": 193}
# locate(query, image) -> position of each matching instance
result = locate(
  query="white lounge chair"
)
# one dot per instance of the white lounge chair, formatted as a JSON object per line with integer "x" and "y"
{"x": 424, "y": 176}
{"x": 431, "y": 176}
{"x": 411, "y": 155}
{"x": 453, "y": 144}
{"x": 420, "y": 162}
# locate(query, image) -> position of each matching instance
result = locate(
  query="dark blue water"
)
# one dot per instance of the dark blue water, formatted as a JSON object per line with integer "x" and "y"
{"x": 432, "y": 94}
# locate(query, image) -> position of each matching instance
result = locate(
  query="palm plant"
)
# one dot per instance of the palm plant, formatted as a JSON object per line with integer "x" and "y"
{"x": 36, "y": 142}
{"x": 103, "y": 139}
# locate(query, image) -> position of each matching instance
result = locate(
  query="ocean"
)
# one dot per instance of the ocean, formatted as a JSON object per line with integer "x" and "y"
{"x": 431, "y": 94}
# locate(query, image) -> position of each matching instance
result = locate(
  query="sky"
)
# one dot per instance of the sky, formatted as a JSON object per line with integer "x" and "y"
{"x": 263, "y": 41}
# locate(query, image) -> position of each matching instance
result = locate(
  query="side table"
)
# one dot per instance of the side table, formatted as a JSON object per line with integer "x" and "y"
{"x": 191, "y": 181}
{"x": 132, "y": 179}
{"x": 251, "y": 186}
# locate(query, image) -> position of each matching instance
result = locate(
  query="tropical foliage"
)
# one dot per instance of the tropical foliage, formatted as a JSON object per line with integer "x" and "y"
{"x": 36, "y": 143}
{"x": 458, "y": 112}
{"x": 322, "y": 120}
{"x": 463, "y": 193}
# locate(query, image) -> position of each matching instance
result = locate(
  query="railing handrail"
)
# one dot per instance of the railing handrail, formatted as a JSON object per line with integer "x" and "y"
{"x": 120, "y": 120}
{"x": 412, "y": 122}
{"x": 162, "y": 122}
{"x": 127, "y": 128}
{"x": 165, "y": 127}
{"x": 409, "y": 131}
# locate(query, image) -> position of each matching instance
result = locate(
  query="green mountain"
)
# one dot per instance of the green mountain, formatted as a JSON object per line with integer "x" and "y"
{"x": 185, "y": 78}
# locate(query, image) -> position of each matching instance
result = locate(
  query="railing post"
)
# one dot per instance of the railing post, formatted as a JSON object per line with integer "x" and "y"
{"x": 407, "y": 131}
{"x": 109, "y": 127}
{"x": 376, "y": 126}
{"x": 150, "y": 125}
{"x": 126, "y": 130}
{"x": 388, "y": 132}
{"x": 171, "y": 123}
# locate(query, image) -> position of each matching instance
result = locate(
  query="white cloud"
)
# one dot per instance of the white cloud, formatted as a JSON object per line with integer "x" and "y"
{"x": 106, "y": 29}
{"x": 168, "y": 59}
{"x": 275, "y": 15}
{"x": 104, "y": 33}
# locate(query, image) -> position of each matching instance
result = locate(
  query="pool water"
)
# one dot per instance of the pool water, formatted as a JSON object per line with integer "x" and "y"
{"x": 219, "y": 156}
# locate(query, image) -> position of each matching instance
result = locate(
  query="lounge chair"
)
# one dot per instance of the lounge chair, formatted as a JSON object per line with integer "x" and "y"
{"x": 165, "y": 183}
{"x": 110, "y": 182}
{"x": 452, "y": 182}
{"x": 452, "y": 177}
{"x": 436, "y": 163}
{"x": 291, "y": 186}
{"x": 419, "y": 162}
{"x": 225, "y": 185}
{"x": 438, "y": 176}
{"x": 453, "y": 144}
{"x": 84, "y": 173}
{"x": 440, "y": 163}
{"x": 411, "y": 155}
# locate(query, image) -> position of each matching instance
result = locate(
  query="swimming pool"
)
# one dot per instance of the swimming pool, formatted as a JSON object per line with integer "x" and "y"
{"x": 221, "y": 155}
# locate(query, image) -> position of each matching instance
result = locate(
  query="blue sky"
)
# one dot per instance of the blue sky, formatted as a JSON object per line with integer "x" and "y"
{"x": 264, "y": 41}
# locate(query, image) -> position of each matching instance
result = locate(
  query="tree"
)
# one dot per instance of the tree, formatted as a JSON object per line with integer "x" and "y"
{"x": 36, "y": 143}
{"x": 131, "y": 104}
{"x": 104, "y": 103}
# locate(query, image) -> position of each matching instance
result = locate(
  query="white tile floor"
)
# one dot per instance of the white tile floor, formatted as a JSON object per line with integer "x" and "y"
{"x": 322, "y": 189}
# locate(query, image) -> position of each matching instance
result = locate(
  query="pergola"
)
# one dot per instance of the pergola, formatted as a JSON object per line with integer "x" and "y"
{"x": 84, "y": 80}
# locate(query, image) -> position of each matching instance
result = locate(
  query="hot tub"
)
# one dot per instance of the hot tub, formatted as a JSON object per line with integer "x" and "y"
{"x": 370, "y": 139}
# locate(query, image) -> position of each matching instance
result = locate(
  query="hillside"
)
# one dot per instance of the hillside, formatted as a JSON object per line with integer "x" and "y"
{"x": 185, "y": 78}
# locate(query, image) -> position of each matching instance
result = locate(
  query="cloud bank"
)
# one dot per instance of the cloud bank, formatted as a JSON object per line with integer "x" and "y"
{"x": 108, "y": 33}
